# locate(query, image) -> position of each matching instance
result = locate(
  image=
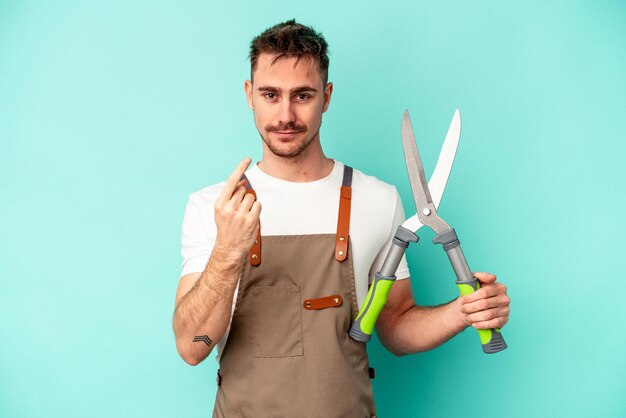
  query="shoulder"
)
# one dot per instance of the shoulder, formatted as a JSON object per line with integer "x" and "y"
{"x": 374, "y": 199}
{"x": 207, "y": 196}
{"x": 372, "y": 186}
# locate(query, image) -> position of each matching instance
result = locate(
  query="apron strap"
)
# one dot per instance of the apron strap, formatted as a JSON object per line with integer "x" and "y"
{"x": 254, "y": 256}
{"x": 343, "y": 221}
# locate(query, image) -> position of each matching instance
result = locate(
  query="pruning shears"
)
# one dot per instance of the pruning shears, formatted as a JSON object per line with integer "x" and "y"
{"x": 427, "y": 197}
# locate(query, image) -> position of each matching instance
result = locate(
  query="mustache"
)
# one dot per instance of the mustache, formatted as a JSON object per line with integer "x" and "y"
{"x": 290, "y": 126}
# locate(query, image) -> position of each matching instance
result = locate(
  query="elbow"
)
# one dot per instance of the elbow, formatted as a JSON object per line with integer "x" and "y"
{"x": 188, "y": 354}
{"x": 393, "y": 348}
{"x": 398, "y": 353}
{"x": 191, "y": 360}
{"x": 401, "y": 352}
{"x": 401, "y": 348}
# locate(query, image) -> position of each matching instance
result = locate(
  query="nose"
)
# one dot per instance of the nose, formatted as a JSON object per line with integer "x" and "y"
{"x": 286, "y": 112}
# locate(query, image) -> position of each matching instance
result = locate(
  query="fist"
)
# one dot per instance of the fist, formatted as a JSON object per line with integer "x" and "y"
{"x": 236, "y": 215}
{"x": 488, "y": 307}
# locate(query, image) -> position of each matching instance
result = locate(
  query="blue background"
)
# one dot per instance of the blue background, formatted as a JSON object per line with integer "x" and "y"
{"x": 111, "y": 113}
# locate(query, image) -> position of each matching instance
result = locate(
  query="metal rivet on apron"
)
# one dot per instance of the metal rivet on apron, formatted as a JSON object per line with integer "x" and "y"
{"x": 254, "y": 256}
{"x": 336, "y": 300}
{"x": 342, "y": 239}
{"x": 308, "y": 304}
{"x": 340, "y": 253}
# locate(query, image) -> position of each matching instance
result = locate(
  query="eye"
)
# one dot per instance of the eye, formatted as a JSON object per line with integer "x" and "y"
{"x": 302, "y": 96}
{"x": 269, "y": 95}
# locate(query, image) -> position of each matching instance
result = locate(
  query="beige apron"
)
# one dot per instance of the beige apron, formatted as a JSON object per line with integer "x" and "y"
{"x": 288, "y": 353}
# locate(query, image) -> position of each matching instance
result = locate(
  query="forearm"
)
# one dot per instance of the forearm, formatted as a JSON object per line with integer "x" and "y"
{"x": 202, "y": 316}
{"x": 422, "y": 328}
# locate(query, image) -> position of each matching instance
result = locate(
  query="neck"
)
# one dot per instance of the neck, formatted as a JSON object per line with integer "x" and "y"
{"x": 310, "y": 165}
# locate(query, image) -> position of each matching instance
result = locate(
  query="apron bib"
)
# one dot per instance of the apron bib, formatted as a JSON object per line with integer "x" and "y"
{"x": 288, "y": 353}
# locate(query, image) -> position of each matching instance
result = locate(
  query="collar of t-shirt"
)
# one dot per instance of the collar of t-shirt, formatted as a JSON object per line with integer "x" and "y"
{"x": 293, "y": 208}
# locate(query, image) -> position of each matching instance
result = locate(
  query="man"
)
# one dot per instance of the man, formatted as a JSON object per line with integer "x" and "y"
{"x": 278, "y": 288}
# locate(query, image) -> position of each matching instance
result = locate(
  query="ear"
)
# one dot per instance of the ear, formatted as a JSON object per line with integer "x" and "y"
{"x": 247, "y": 86}
{"x": 328, "y": 91}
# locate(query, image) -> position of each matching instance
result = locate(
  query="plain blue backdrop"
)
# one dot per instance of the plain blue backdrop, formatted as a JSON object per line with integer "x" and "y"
{"x": 111, "y": 113}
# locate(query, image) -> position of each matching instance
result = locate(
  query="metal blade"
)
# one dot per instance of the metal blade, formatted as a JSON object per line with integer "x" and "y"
{"x": 439, "y": 179}
{"x": 419, "y": 186}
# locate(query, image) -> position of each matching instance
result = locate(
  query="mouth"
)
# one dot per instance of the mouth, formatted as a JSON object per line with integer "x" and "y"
{"x": 285, "y": 134}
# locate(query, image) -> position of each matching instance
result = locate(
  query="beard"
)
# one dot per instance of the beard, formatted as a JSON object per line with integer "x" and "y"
{"x": 287, "y": 150}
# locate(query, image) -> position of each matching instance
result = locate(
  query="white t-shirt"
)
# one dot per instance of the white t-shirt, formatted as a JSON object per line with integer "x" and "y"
{"x": 290, "y": 208}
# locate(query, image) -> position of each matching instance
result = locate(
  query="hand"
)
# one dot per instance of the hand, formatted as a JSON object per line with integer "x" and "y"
{"x": 236, "y": 216}
{"x": 488, "y": 307}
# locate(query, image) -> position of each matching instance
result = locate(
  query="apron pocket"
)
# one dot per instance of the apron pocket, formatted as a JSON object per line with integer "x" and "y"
{"x": 277, "y": 324}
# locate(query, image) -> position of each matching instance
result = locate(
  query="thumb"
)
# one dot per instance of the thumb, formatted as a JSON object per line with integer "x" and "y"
{"x": 485, "y": 278}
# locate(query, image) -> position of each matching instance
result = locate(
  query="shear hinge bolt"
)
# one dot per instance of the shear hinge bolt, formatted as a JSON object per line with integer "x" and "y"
{"x": 426, "y": 211}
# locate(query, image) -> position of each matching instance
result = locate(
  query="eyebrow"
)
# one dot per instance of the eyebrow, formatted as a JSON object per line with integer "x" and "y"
{"x": 294, "y": 90}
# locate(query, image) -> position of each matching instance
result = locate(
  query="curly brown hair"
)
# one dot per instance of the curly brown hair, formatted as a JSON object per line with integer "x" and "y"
{"x": 290, "y": 39}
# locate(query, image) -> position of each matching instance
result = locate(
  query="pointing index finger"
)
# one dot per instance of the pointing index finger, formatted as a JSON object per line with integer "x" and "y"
{"x": 233, "y": 179}
{"x": 232, "y": 182}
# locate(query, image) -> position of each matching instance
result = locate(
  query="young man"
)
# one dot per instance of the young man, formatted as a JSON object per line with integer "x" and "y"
{"x": 276, "y": 280}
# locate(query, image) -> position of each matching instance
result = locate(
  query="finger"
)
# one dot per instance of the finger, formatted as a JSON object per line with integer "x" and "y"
{"x": 484, "y": 277}
{"x": 487, "y": 291}
{"x": 488, "y": 315}
{"x": 493, "y": 323}
{"x": 482, "y": 304}
{"x": 237, "y": 194}
{"x": 233, "y": 180}
{"x": 237, "y": 197}
{"x": 255, "y": 210}
{"x": 246, "y": 203}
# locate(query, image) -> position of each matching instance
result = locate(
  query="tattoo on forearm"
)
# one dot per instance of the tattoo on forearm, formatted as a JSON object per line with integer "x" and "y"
{"x": 202, "y": 339}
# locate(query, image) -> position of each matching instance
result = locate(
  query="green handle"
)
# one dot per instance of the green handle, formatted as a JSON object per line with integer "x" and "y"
{"x": 491, "y": 339}
{"x": 375, "y": 300}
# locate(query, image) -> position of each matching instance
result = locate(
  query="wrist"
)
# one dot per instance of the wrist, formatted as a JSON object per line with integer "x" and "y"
{"x": 226, "y": 258}
{"x": 457, "y": 317}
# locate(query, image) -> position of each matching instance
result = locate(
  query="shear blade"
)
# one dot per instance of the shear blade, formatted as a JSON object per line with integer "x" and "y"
{"x": 419, "y": 185}
{"x": 432, "y": 191}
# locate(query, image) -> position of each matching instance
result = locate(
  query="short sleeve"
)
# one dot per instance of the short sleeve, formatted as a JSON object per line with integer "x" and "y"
{"x": 198, "y": 237}
{"x": 402, "y": 271}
